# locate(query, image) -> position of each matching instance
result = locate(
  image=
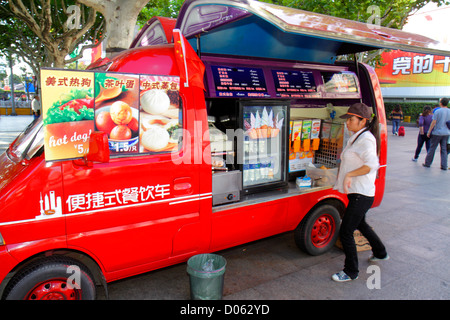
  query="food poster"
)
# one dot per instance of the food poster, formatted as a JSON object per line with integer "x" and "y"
{"x": 117, "y": 110}
{"x": 139, "y": 113}
{"x": 160, "y": 114}
{"x": 68, "y": 113}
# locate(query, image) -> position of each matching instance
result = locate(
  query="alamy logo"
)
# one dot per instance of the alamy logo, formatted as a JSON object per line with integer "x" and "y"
{"x": 374, "y": 280}
{"x": 74, "y": 280}
{"x": 374, "y": 21}
{"x": 73, "y": 19}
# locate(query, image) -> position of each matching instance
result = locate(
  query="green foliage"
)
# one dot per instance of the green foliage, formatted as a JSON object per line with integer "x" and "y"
{"x": 37, "y": 31}
{"x": 160, "y": 8}
{"x": 412, "y": 109}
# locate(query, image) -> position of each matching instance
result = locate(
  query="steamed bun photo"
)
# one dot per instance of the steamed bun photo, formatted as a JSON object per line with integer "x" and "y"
{"x": 155, "y": 101}
{"x": 159, "y": 116}
{"x": 155, "y": 138}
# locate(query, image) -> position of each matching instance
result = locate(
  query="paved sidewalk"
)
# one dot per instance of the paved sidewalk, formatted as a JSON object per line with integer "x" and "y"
{"x": 413, "y": 221}
{"x": 10, "y": 127}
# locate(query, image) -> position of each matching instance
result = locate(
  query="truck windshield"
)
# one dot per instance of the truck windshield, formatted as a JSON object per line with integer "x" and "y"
{"x": 30, "y": 141}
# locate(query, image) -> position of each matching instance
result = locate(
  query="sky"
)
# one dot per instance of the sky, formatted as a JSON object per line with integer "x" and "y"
{"x": 431, "y": 21}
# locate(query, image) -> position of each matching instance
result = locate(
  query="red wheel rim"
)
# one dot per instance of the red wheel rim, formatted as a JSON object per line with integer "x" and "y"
{"x": 323, "y": 230}
{"x": 54, "y": 289}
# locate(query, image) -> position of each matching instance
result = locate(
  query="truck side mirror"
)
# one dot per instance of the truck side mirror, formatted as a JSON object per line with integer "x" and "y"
{"x": 98, "y": 147}
{"x": 98, "y": 150}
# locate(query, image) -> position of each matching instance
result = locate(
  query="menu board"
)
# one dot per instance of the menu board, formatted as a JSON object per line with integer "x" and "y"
{"x": 139, "y": 113}
{"x": 294, "y": 83}
{"x": 68, "y": 113}
{"x": 340, "y": 82}
{"x": 241, "y": 82}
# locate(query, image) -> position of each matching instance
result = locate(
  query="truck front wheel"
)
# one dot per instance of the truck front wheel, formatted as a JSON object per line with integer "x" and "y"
{"x": 55, "y": 278}
{"x": 318, "y": 231}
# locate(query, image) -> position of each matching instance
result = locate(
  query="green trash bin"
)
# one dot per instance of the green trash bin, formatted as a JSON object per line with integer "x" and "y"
{"x": 206, "y": 274}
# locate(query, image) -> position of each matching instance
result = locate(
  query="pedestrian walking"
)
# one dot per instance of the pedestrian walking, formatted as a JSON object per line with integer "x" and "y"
{"x": 424, "y": 124}
{"x": 438, "y": 134}
{"x": 396, "y": 117}
{"x": 356, "y": 178}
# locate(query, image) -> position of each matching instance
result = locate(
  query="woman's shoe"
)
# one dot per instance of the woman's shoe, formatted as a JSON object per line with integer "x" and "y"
{"x": 341, "y": 277}
{"x": 372, "y": 258}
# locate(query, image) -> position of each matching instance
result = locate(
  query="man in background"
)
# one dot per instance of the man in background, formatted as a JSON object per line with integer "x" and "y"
{"x": 439, "y": 133}
{"x": 36, "y": 106}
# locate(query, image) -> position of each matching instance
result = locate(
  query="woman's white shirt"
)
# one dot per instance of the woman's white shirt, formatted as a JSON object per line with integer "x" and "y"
{"x": 362, "y": 152}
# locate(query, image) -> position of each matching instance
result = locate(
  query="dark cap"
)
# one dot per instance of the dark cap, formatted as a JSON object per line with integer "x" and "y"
{"x": 358, "y": 109}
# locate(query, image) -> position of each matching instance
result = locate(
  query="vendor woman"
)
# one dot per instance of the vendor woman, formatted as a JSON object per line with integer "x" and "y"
{"x": 356, "y": 178}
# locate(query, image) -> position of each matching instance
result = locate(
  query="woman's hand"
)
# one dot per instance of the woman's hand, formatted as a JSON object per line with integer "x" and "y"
{"x": 355, "y": 173}
{"x": 347, "y": 183}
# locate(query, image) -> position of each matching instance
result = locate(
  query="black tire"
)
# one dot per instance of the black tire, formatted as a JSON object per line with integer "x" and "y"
{"x": 48, "y": 279}
{"x": 318, "y": 231}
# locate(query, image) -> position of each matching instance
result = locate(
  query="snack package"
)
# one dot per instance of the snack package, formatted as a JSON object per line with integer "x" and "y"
{"x": 296, "y": 129}
{"x": 306, "y": 129}
{"x": 326, "y": 130}
{"x": 315, "y": 128}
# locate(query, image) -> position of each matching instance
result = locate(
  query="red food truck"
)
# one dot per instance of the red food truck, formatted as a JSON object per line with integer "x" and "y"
{"x": 221, "y": 132}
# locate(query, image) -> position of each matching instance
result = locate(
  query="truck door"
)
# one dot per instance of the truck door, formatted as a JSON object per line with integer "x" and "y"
{"x": 131, "y": 211}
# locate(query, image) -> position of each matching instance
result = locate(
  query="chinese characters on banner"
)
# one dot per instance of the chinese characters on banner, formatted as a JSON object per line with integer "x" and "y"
{"x": 407, "y": 69}
{"x": 139, "y": 113}
{"x": 418, "y": 64}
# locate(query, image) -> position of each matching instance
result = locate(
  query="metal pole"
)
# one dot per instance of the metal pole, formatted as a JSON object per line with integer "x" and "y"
{"x": 13, "y": 105}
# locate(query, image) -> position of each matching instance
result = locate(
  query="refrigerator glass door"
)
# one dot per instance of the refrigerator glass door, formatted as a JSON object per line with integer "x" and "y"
{"x": 264, "y": 144}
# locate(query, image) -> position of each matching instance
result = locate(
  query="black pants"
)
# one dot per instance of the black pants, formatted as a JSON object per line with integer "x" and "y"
{"x": 355, "y": 218}
{"x": 421, "y": 139}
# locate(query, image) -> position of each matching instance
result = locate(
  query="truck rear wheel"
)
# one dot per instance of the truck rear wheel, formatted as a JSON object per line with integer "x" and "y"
{"x": 56, "y": 278}
{"x": 318, "y": 231}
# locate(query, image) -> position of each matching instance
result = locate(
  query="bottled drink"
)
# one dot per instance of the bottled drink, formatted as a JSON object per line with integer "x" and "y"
{"x": 251, "y": 173}
{"x": 257, "y": 172}
{"x": 246, "y": 173}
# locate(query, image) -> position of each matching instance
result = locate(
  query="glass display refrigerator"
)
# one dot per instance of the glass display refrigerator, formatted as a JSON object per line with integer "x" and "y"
{"x": 263, "y": 148}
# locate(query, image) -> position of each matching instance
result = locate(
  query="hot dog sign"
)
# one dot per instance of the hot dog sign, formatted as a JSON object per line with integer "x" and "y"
{"x": 135, "y": 111}
{"x": 68, "y": 113}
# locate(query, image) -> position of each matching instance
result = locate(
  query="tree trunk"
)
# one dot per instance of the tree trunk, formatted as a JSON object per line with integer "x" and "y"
{"x": 58, "y": 41}
{"x": 120, "y": 17}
